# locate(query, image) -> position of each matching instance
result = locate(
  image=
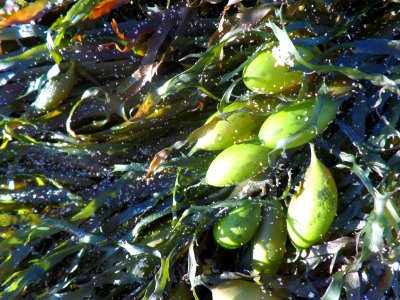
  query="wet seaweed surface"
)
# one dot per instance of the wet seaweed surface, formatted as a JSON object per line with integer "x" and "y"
{"x": 101, "y": 103}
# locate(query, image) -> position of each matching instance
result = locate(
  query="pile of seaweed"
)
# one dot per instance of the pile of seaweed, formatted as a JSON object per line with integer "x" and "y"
{"x": 101, "y": 103}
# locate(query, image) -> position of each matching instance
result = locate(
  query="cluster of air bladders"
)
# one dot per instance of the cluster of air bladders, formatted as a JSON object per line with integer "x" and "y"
{"x": 313, "y": 207}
